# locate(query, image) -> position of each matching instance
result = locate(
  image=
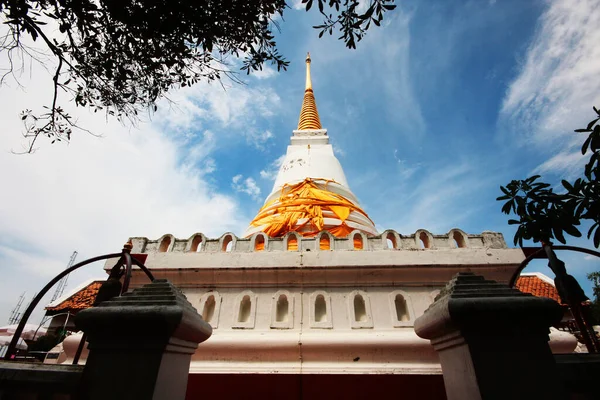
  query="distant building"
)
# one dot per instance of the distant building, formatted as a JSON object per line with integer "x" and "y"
{"x": 67, "y": 306}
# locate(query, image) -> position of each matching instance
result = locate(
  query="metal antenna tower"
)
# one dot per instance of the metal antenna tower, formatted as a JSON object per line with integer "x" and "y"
{"x": 62, "y": 284}
{"x": 15, "y": 315}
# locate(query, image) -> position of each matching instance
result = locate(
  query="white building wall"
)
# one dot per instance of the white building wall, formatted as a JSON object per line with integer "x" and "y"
{"x": 380, "y": 343}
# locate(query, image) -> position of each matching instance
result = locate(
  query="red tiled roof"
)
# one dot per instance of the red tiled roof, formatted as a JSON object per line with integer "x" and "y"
{"x": 81, "y": 300}
{"x": 537, "y": 287}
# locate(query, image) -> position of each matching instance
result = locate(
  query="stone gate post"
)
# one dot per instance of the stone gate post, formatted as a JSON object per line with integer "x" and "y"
{"x": 492, "y": 341}
{"x": 140, "y": 344}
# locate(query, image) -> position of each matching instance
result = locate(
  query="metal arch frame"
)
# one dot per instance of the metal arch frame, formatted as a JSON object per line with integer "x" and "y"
{"x": 526, "y": 261}
{"x": 124, "y": 255}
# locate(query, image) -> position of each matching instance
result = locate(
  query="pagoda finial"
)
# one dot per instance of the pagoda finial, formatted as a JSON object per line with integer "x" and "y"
{"x": 309, "y": 116}
{"x": 308, "y": 81}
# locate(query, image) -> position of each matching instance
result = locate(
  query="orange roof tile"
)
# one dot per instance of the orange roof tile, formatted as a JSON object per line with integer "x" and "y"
{"x": 81, "y": 300}
{"x": 538, "y": 287}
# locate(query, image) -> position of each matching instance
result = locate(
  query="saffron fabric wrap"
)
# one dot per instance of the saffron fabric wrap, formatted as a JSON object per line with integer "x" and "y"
{"x": 300, "y": 207}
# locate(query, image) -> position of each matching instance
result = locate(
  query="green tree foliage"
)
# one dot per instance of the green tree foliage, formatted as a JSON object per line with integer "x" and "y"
{"x": 595, "y": 278}
{"x": 121, "y": 56}
{"x": 545, "y": 215}
{"x": 45, "y": 342}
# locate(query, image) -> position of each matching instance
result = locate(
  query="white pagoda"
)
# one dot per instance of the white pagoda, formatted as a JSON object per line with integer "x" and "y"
{"x": 313, "y": 302}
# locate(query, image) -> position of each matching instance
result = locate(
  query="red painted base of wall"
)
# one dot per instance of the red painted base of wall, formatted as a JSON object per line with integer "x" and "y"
{"x": 315, "y": 387}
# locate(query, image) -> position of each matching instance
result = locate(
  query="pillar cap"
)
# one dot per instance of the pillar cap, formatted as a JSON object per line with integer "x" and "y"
{"x": 157, "y": 310}
{"x": 470, "y": 302}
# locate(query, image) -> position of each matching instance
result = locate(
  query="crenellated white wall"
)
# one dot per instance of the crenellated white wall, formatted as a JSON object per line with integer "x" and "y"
{"x": 487, "y": 239}
{"x": 379, "y": 341}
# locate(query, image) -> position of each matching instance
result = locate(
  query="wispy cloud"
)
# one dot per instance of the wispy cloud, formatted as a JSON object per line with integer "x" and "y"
{"x": 243, "y": 109}
{"x": 378, "y": 70}
{"x": 94, "y": 193}
{"x": 259, "y": 138}
{"x": 558, "y": 83}
{"x": 566, "y": 164}
{"x": 407, "y": 170}
{"x": 270, "y": 173}
{"x": 265, "y": 73}
{"x": 248, "y": 186}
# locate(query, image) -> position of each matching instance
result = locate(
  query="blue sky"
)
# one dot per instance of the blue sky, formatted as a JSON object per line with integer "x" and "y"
{"x": 429, "y": 116}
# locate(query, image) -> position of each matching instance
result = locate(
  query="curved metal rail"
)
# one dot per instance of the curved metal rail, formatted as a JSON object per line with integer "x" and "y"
{"x": 526, "y": 261}
{"x": 123, "y": 255}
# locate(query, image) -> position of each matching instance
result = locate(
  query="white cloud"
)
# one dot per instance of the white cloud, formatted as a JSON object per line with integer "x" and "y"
{"x": 441, "y": 197}
{"x": 94, "y": 193}
{"x": 568, "y": 164}
{"x": 272, "y": 170}
{"x": 265, "y": 73}
{"x": 247, "y": 186}
{"x": 558, "y": 83}
{"x": 406, "y": 170}
{"x": 242, "y": 109}
{"x": 298, "y": 5}
{"x": 387, "y": 65}
{"x": 258, "y": 138}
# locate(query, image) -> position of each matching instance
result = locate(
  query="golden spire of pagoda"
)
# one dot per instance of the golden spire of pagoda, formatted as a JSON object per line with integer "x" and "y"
{"x": 309, "y": 116}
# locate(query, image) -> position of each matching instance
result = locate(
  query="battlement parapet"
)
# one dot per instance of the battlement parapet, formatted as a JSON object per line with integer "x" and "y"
{"x": 421, "y": 240}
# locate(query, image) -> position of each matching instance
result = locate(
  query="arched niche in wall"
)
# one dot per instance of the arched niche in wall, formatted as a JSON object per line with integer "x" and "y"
{"x": 244, "y": 316}
{"x": 325, "y": 241}
{"x": 210, "y": 308}
{"x": 423, "y": 239}
{"x": 458, "y": 239}
{"x": 166, "y": 243}
{"x": 320, "y": 314}
{"x": 282, "y": 310}
{"x": 227, "y": 242}
{"x": 358, "y": 240}
{"x": 401, "y": 309}
{"x": 292, "y": 241}
{"x": 196, "y": 243}
{"x": 259, "y": 241}
{"x": 359, "y": 310}
{"x": 390, "y": 240}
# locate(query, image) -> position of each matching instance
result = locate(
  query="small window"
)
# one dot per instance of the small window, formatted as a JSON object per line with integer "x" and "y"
{"x": 209, "y": 308}
{"x": 282, "y": 310}
{"x": 227, "y": 243}
{"x": 283, "y": 307}
{"x": 292, "y": 243}
{"x": 196, "y": 244}
{"x": 459, "y": 240}
{"x": 320, "y": 313}
{"x": 401, "y": 309}
{"x": 425, "y": 242}
{"x": 164, "y": 244}
{"x": 360, "y": 310}
{"x": 245, "y": 308}
{"x": 324, "y": 242}
{"x": 259, "y": 243}
{"x": 358, "y": 241}
{"x": 320, "y": 309}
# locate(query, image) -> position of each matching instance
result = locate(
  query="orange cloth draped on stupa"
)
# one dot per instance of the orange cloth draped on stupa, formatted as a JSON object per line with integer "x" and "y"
{"x": 306, "y": 202}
